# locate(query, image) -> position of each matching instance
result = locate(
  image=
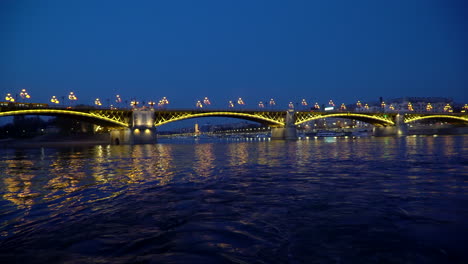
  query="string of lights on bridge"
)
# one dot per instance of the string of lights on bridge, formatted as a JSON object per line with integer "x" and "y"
{"x": 200, "y": 104}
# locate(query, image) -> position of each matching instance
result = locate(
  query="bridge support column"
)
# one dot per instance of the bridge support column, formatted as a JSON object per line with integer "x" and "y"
{"x": 400, "y": 128}
{"x": 142, "y": 131}
{"x": 133, "y": 136}
{"x": 288, "y": 132}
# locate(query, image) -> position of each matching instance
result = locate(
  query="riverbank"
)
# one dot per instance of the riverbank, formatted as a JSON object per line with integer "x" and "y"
{"x": 56, "y": 141}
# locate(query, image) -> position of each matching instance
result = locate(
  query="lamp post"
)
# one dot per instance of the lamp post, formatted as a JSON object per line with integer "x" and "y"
{"x": 72, "y": 97}
{"x": 134, "y": 103}
{"x": 54, "y": 100}
{"x": 206, "y": 101}
{"x": 9, "y": 98}
{"x": 24, "y": 94}
{"x": 304, "y": 103}
{"x": 97, "y": 102}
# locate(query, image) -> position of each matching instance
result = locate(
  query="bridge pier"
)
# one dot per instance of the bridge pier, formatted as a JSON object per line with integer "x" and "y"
{"x": 133, "y": 136}
{"x": 400, "y": 128}
{"x": 142, "y": 131}
{"x": 288, "y": 132}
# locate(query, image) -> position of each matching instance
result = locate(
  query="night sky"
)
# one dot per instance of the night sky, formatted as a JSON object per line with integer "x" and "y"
{"x": 257, "y": 50}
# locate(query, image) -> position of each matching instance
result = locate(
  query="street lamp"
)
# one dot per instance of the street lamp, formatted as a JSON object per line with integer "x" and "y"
{"x": 134, "y": 103}
{"x": 199, "y": 104}
{"x": 358, "y": 104}
{"x": 9, "y": 98}
{"x": 72, "y": 97}
{"x": 230, "y": 104}
{"x": 272, "y": 102}
{"x": 429, "y": 107}
{"x": 343, "y": 107}
{"x": 206, "y": 101}
{"x": 261, "y": 105}
{"x": 24, "y": 94}
{"x": 54, "y": 100}
{"x": 317, "y": 106}
{"x": 151, "y": 103}
{"x": 97, "y": 102}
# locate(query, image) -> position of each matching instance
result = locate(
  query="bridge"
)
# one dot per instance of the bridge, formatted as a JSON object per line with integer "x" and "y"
{"x": 134, "y": 126}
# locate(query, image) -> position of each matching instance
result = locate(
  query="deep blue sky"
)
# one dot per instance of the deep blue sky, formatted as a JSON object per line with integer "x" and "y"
{"x": 186, "y": 50}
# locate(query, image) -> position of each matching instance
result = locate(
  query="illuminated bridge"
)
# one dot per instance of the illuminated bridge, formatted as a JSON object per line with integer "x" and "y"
{"x": 138, "y": 125}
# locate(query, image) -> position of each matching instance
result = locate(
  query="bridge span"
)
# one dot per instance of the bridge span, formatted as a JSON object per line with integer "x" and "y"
{"x": 134, "y": 126}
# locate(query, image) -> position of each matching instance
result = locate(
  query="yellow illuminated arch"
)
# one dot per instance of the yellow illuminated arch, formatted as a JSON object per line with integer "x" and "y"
{"x": 417, "y": 118}
{"x": 90, "y": 115}
{"x": 370, "y": 117}
{"x": 188, "y": 115}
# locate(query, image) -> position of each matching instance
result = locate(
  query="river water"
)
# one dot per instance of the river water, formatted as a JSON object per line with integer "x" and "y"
{"x": 334, "y": 200}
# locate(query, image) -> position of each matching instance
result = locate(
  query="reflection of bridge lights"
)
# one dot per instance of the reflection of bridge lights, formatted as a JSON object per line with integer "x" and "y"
{"x": 9, "y": 98}
{"x": 97, "y": 102}
{"x": 304, "y": 102}
{"x": 24, "y": 94}
{"x": 230, "y": 104}
{"x": 261, "y": 105}
{"x": 272, "y": 102}
{"x": 199, "y": 104}
{"x": 54, "y": 100}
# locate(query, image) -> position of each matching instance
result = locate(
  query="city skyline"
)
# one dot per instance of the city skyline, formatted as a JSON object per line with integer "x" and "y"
{"x": 187, "y": 51}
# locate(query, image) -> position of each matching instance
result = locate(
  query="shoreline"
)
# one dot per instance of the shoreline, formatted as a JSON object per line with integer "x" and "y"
{"x": 56, "y": 141}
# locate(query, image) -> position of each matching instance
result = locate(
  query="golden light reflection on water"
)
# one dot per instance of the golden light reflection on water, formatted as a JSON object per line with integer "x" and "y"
{"x": 53, "y": 174}
{"x": 19, "y": 188}
{"x": 204, "y": 160}
{"x": 238, "y": 154}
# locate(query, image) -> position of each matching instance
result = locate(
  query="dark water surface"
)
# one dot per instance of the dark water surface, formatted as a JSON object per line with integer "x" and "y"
{"x": 365, "y": 200}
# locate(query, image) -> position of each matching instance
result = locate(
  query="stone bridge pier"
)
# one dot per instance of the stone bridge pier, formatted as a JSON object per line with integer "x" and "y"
{"x": 400, "y": 128}
{"x": 287, "y": 132}
{"x": 142, "y": 130}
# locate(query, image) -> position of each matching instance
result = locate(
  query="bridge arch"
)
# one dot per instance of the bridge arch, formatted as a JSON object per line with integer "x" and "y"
{"x": 95, "y": 117}
{"x": 374, "y": 119}
{"x": 273, "y": 119}
{"x": 441, "y": 117}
